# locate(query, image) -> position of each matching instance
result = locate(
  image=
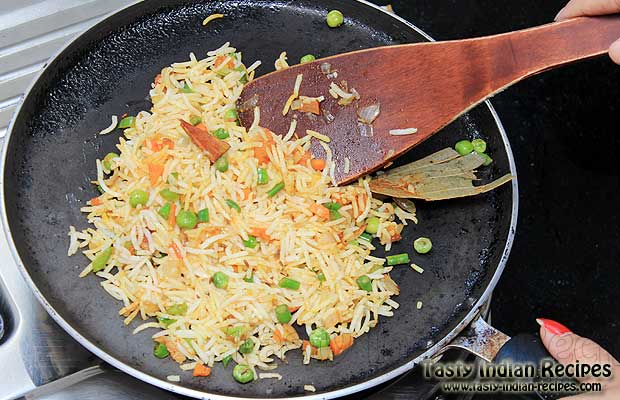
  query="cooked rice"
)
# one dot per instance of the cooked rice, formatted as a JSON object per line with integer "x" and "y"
{"x": 112, "y": 126}
{"x": 211, "y": 18}
{"x": 309, "y": 388}
{"x": 155, "y": 265}
{"x": 403, "y": 132}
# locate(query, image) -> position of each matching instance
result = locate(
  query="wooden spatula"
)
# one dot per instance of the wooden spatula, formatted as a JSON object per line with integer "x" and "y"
{"x": 423, "y": 86}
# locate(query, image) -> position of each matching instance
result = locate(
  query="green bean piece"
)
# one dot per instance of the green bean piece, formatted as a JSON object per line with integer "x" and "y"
{"x": 221, "y": 133}
{"x": 242, "y": 373}
{"x": 364, "y": 283}
{"x": 307, "y": 58}
{"x": 203, "y": 215}
{"x": 283, "y": 314}
{"x": 174, "y": 175}
{"x": 332, "y": 205}
{"x": 422, "y": 245}
{"x": 107, "y": 161}
{"x": 398, "y": 259}
{"x": 138, "y": 197}
{"x": 187, "y": 220}
{"x": 100, "y": 262}
{"x": 275, "y": 190}
{"x": 220, "y": 280}
{"x": 187, "y": 89}
{"x": 319, "y": 338}
{"x": 247, "y": 346}
{"x": 366, "y": 236}
{"x": 480, "y": 146}
{"x": 160, "y": 350}
{"x": 169, "y": 195}
{"x": 233, "y": 205}
{"x": 263, "y": 176}
{"x": 166, "y": 322}
{"x": 372, "y": 225}
{"x": 289, "y": 283}
{"x": 334, "y": 19}
{"x": 165, "y": 210}
{"x": 251, "y": 243}
{"x": 127, "y": 122}
{"x": 244, "y": 76}
{"x": 321, "y": 277}
{"x": 334, "y": 215}
{"x": 100, "y": 189}
{"x": 177, "y": 309}
{"x": 464, "y": 147}
{"x": 195, "y": 120}
{"x": 226, "y": 360}
{"x": 249, "y": 279}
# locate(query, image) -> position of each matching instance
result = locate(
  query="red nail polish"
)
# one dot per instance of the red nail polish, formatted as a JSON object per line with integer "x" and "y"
{"x": 553, "y": 327}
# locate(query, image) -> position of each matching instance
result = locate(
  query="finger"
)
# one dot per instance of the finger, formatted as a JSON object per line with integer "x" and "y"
{"x": 614, "y": 51}
{"x": 568, "y": 348}
{"x": 579, "y": 8}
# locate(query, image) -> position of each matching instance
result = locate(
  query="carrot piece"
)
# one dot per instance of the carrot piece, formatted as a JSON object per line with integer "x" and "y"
{"x": 155, "y": 145}
{"x": 172, "y": 218}
{"x": 155, "y": 171}
{"x": 320, "y": 210}
{"x": 176, "y": 250}
{"x": 201, "y": 370}
{"x": 311, "y": 107}
{"x": 340, "y": 343}
{"x": 157, "y": 80}
{"x": 305, "y": 344}
{"x": 278, "y": 336}
{"x": 212, "y": 146}
{"x": 96, "y": 201}
{"x": 260, "y": 153}
{"x": 167, "y": 143}
{"x": 304, "y": 157}
{"x": 318, "y": 164}
{"x": 247, "y": 192}
{"x": 293, "y": 309}
{"x": 219, "y": 60}
{"x": 260, "y": 233}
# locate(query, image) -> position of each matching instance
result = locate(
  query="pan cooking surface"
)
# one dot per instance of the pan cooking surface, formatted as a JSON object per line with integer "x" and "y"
{"x": 108, "y": 71}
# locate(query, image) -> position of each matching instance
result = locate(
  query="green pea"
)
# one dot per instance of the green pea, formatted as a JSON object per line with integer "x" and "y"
{"x": 480, "y": 146}
{"x": 138, "y": 197}
{"x": 187, "y": 89}
{"x": 464, "y": 147}
{"x": 195, "y": 120}
{"x": 100, "y": 262}
{"x": 334, "y": 19}
{"x": 242, "y": 373}
{"x": 235, "y": 331}
{"x": 275, "y": 190}
{"x": 231, "y": 115}
{"x": 263, "y": 176}
{"x": 422, "y": 245}
{"x": 319, "y": 338}
{"x": 187, "y": 220}
{"x": 166, "y": 322}
{"x": 233, "y": 205}
{"x": 220, "y": 280}
{"x": 221, "y": 164}
{"x": 251, "y": 243}
{"x": 226, "y": 360}
{"x": 169, "y": 195}
{"x": 165, "y": 210}
{"x": 398, "y": 259}
{"x": 289, "y": 283}
{"x": 160, "y": 350}
{"x": 203, "y": 215}
{"x": 307, "y": 58}
{"x": 127, "y": 122}
{"x": 283, "y": 314}
{"x": 487, "y": 160}
{"x": 177, "y": 309}
{"x": 364, "y": 283}
{"x": 372, "y": 225}
{"x": 221, "y": 134}
{"x": 247, "y": 346}
{"x": 107, "y": 161}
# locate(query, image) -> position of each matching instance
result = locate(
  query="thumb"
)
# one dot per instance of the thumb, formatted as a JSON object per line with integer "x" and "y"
{"x": 614, "y": 51}
{"x": 570, "y": 348}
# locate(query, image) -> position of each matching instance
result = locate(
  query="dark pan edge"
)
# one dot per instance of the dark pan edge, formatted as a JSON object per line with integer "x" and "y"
{"x": 199, "y": 394}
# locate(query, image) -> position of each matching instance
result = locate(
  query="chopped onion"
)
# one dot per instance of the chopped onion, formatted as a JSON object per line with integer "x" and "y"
{"x": 249, "y": 104}
{"x": 329, "y": 117}
{"x": 326, "y": 68}
{"x": 333, "y": 75}
{"x": 365, "y": 130}
{"x": 355, "y": 93}
{"x": 369, "y": 114}
{"x": 296, "y": 104}
{"x": 406, "y": 205}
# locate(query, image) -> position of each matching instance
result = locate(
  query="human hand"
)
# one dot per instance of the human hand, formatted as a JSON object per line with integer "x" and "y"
{"x": 568, "y": 348}
{"x": 581, "y": 8}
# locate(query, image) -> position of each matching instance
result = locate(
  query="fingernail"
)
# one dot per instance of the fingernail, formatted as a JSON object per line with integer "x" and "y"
{"x": 559, "y": 15}
{"x": 553, "y": 327}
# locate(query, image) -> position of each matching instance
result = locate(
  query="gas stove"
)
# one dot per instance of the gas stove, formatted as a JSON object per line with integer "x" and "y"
{"x": 46, "y": 363}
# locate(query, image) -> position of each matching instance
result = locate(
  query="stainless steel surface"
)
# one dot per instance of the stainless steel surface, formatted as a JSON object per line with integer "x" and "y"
{"x": 480, "y": 339}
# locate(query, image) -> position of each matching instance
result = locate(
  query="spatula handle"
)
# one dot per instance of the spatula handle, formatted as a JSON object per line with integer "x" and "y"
{"x": 528, "y": 52}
